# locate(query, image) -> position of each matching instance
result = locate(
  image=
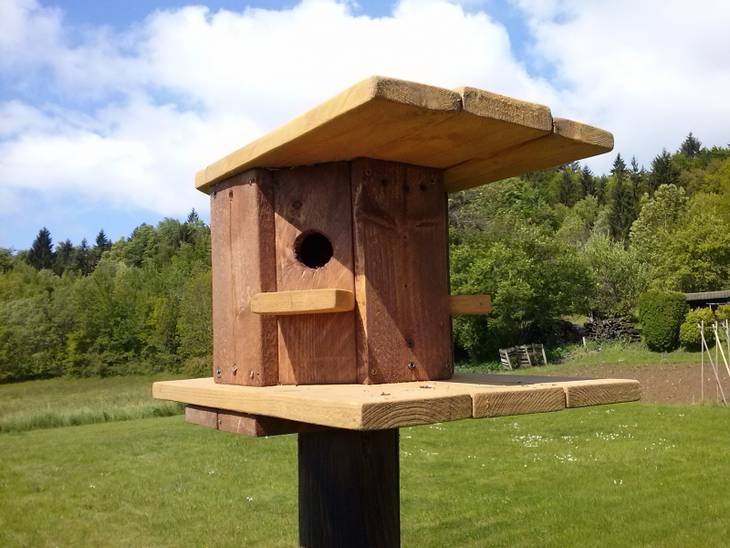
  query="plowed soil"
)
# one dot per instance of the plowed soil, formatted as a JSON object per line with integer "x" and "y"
{"x": 665, "y": 383}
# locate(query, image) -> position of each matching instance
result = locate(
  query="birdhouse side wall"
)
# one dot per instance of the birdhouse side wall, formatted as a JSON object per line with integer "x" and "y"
{"x": 401, "y": 272}
{"x": 243, "y": 264}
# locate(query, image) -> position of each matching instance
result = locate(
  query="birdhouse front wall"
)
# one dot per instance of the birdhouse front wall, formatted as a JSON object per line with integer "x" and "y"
{"x": 375, "y": 228}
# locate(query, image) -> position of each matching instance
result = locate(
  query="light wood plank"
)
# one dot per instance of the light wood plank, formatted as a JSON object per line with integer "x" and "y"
{"x": 462, "y": 131}
{"x": 303, "y": 301}
{"x": 470, "y": 304}
{"x": 602, "y": 391}
{"x": 370, "y": 114}
{"x": 569, "y": 141}
{"x": 369, "y": 407}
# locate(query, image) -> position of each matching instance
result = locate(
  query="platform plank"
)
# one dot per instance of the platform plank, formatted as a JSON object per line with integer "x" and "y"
{"x": 474, "y": 135}
{"x": 375, "y": 407}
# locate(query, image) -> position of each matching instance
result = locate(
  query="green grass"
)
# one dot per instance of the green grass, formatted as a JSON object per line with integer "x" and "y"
{"x": 626, "y": 475}
{"x": 576, "y": 356}
{"x": 68, "y": 402}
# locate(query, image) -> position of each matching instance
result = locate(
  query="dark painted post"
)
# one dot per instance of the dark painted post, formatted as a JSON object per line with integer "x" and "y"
{"x": 349, "y": 489}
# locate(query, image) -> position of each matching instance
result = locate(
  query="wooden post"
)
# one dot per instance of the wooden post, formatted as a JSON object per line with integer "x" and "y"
{"x": 349, "y": 493}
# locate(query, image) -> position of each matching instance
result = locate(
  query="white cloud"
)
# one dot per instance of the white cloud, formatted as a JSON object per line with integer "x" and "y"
{"x": 649, "y": 71}
{"x": 128, "y": 117}
{"x": 186, "y": 86}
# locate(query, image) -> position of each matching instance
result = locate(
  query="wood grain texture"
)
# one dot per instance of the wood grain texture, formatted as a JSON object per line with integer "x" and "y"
{"x": 202, "y": 416}
{"x": 516, "y": 400}
{"x": 303, "y": 301}
{"x": 602, "y": 391}
{"x": 369, "y": 114}
{"x": 242, "y": 244}
{"x": 568, "y": 142}
{"x": 349, "y": 489}
{"x": 407, "y": 122}
{"x": 244, "y": 423}
{"x": 376, "y": 407}
{"x": 401, "y": 273}
{"x": 315, "y": 349}
{"x": 470, "y": 304}
{"x": 259, "y": 426}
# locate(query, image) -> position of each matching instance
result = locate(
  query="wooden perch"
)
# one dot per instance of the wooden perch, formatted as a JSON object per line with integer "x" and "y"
{"x": 325, "y": 301}
{"x": 469, "y": 304}
{"x": 304, "y": 301}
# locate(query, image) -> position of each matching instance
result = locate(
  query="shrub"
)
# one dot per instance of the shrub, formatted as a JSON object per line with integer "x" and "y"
{"x": 723, "y": 312}
{"x": 689, "y": 334}
{"x": 661, "y": 313}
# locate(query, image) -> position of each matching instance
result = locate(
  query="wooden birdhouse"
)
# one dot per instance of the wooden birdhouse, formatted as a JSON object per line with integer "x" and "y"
{"x": 329, "y": 234}
{"x": 330, "y": 272}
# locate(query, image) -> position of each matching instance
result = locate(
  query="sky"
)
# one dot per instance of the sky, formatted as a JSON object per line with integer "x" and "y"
{"x": 107, "y": 109}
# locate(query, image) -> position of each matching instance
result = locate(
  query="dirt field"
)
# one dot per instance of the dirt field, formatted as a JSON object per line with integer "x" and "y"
{"x": 665, "y": 383}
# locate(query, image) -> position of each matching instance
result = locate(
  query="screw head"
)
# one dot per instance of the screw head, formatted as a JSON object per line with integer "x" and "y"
{"x": 218, "y": 372}
{"x": 411, "y": 365}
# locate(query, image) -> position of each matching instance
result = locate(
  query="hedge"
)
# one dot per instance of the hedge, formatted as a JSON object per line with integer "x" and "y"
{"x": 661, "y": 314}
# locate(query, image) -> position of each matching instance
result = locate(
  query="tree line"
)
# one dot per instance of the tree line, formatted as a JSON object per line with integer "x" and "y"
{"x": 548, "y": 246}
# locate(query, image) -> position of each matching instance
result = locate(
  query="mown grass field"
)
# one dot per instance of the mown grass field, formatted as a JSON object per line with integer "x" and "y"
{"x": 625, "y": 475}
{"x": 67, "y": 402}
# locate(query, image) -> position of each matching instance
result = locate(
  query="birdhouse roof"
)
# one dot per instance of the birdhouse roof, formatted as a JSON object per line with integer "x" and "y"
{"x": 474, "y": 135}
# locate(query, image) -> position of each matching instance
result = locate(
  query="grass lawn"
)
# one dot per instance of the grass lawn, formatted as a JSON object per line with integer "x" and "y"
{"x": 625, "y": 475}
{"x": 64, "y": 402}
{"x": 577, "y": 356}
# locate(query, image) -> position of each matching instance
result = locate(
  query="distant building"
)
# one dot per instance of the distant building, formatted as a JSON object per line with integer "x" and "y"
{"x": 708, "y": 298}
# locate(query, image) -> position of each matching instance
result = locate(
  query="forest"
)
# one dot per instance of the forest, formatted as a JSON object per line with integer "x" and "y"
{"x": 553, "y": 248}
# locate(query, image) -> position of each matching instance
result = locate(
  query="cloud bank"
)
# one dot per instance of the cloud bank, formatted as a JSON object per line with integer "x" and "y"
{"x": 124, "y": 119}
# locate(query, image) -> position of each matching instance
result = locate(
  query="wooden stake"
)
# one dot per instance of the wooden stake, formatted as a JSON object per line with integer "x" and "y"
{"x": 714, "y": 367}
{"x": 349, "y": 492}
{"x": 701, "y": 327}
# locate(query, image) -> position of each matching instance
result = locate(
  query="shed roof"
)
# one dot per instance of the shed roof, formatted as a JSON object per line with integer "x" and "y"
{"x": 474, "y": 135}
{"x": 723, "y": 295}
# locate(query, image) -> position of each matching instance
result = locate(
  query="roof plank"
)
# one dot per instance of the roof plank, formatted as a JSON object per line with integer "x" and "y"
{"x": 474, "y": 135}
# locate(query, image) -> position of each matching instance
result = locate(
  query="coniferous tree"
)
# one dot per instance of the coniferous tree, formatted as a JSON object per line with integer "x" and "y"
{"x": 102, "y": 242}
{"x": 566, "y": 193}
{"x": 587, "y": 182}
{"x": 663, "y": 171}
{"x": 623, "y": 203}
{"x": 619, "y": 166}
{"x": 64, "y": 257}
{"x": 193, "y": 218}
{"x": 691, "y": 146}
{"x": 83, "y": 260}
{"x": 41, "y": 253}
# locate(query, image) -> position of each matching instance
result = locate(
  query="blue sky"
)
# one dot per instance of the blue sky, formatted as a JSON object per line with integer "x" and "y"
{"x": 107, "y": 108}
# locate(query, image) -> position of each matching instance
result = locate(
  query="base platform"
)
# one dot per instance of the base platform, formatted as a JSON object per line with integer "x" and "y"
{"x": 384, "y": 406}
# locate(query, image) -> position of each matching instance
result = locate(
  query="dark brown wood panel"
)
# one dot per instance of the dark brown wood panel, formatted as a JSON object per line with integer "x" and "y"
{"x": 349, "y": 492}
{"x": 315, "y": 200}
{"x": 401, "y": 272}
{"x": 242, "y": 241}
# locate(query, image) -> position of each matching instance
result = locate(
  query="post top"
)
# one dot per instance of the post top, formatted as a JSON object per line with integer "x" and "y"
{"x": 474, "y": 135}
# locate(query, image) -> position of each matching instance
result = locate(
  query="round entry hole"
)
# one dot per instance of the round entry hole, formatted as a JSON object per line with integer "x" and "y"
{"x": 313, "y": 249}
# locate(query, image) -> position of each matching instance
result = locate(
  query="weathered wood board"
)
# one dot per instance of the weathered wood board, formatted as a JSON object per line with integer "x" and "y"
{"x": 242, "y": 240}
{"x": 315, "y": 200}
{"x": 401, "y": 272}
{"x": 376, "y": 407}
{"x": 396, "y": 120}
